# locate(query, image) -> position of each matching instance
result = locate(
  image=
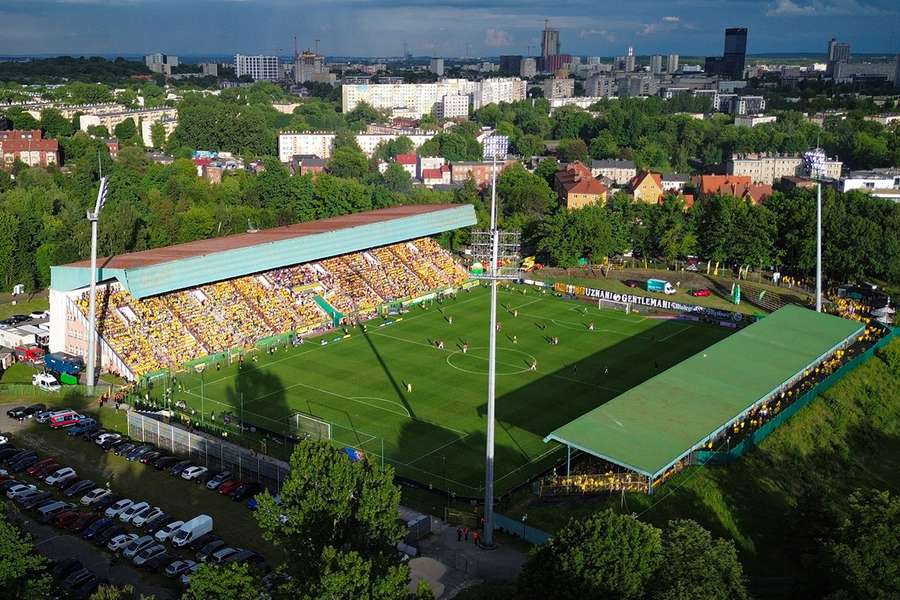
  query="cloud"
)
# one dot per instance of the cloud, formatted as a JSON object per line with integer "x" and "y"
{"x": 496, "y": 38}
{"x": 671, "y": 19}
{"x": 824, "y": 8}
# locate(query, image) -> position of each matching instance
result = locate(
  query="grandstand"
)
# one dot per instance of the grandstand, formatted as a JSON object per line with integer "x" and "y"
{"x": 162, "y": 308}
{"x": 653, "y": 428}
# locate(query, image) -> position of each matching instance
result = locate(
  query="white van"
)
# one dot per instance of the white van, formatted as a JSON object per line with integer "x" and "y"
{"x": 46, "y": 382}
{"x": 191, "y": 530}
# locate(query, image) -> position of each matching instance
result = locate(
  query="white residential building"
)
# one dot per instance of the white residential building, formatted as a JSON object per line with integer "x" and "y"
{"x": 882, "y": 183}
{"x": 528, "y": 68}
{"x": 763, "y": 168}
{"x": 320, "y": 143}
{"x": 454, "y": 106}
{"x": 160, "y": 59}
{"x": 425, "y": 98}
{"x": 437, "y": 66}
{"x": 169, "y": 124}
{"x": 558, "y": 88}
{"x": 754, "y": 120}
{"x": 258, "y": 67}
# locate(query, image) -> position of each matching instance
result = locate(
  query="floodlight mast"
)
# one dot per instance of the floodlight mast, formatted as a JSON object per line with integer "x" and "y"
{"x": 94, "y": 217}
{"x": 815, "y": 164}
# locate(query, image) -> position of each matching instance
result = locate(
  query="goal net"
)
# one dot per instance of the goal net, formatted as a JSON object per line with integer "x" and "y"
{"x": 305, "y": 426}
{"x": 614, "y": 305}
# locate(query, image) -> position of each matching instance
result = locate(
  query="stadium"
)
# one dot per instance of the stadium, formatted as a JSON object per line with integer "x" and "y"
{"x": 363, "y": 330}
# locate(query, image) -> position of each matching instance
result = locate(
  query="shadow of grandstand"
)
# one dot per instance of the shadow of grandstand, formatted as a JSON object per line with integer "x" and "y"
{"x": 263, "y": 390}
{"x": 387, "y": 371}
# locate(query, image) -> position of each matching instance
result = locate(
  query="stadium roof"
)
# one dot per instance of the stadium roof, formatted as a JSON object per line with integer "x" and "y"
{"x": 657, "y": 423}
{"x": 162, "y": 270}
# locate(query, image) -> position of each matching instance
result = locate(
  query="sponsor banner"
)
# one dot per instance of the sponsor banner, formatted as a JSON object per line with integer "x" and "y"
{"x": 649, "y": 302}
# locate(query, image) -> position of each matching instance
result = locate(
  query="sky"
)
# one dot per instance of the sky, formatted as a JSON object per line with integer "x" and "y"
{"x": 442, "y": 28}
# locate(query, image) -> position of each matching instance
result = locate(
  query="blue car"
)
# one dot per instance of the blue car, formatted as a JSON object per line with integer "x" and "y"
{"x": 83, "y": 426}
{"x": 96, "y": 528}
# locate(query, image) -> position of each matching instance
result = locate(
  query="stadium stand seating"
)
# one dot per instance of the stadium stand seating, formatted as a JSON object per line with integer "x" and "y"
{"x": 169, "y": 330}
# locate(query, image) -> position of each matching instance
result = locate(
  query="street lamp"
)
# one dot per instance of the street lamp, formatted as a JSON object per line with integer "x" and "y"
{"x": 94, "y": 217}
{"x": 490, "y": 248}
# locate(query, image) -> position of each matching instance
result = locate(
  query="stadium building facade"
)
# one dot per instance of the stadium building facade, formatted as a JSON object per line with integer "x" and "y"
{"x": 160, "y": 308}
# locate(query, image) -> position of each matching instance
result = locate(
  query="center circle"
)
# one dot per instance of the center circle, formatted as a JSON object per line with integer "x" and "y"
{"x": 504, "y": 367}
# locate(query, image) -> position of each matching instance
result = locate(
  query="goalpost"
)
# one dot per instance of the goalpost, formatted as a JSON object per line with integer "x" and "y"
{"x": 305, "y": 426}
{"x": 614, "y": 305}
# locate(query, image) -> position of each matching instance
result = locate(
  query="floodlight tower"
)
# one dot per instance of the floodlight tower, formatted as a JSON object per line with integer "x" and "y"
{"x": 94, "y": 217}
{"x": 499, "y": 251}
{"x": 815, "y": 164}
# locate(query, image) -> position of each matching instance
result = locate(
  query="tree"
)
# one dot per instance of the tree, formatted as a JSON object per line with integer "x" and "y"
{"x": 694, "y": 565}
{"x": 99, "y": 131}
{"x": 158, "y": 135}
{"x": 337, "y": 524}
{"x": 22, "y": 570}
{"x": 571, "y": 150}
{"x": 54, "y": 124}
{"x": 234, "y": 581}
{"x": 348, "y": 162}
{"x": 125, "y": 130}
{"x": 607, "y": 555}
{"x": 865, "y": 552}
{"x": 522, "y": 192}
{"x": 396, "y": 178}
{"x": 547, "y": 169}
{"x": 529, "y": 145}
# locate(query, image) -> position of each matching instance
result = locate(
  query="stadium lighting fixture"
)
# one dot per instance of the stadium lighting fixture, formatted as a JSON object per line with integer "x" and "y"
{"x": 94, "y": 217}
{"x": 815, "y": 164}
{"x": 495, "y": 146}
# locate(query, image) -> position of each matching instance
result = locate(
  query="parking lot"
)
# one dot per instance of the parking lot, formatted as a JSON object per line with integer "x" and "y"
{"x": 177, "y": 497}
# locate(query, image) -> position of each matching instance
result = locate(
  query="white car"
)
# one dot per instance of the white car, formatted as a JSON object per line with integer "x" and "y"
{"x": 145, "y": 516}
{"x": 148, "y": 553}
{"x": 193, "y": 472}
{"x": 60, "y": 476}
{"x": 167, "y": 531}
{"x": 129, "y": 513}
{"x": 40, "y": 314}
{"x": 46, "y": 382}
{"x": 3, "y": 440}
{"x": 106, "y": 436}
{"x": 136, "y": 546}
{"x": 179, "y": 566}
{"x": 120, "y": 541}
{"x": 115, "y": 509}
{"x": 18, "y": 490}
{"x": 95, "y": 495}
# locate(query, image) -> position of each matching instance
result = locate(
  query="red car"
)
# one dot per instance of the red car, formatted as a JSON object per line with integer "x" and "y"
{"x": 39, "y": 465}
{"x": 66, "y": 518}
{"x": 700, "y": 293}
{"x": 228, "y": 487}
{"x": 81, "y": 523}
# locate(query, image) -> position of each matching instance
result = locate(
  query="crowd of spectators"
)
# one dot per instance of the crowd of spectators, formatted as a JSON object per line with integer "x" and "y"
{"x": 169, "y": 330}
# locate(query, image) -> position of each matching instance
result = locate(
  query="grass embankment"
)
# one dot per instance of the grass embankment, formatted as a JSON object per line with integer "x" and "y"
{"x": 24, "y": 304}
{"x": 847, "y": 438}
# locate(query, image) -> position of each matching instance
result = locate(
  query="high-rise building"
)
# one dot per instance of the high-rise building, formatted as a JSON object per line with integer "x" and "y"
{"x": 838, "y": 52}
{"x": 528, "y": 68}
{"x": 656, "y": 63}
{"x": 307, "y": 65}
{"x": 160, "y": 59}
{"x": 437, "y": 66}
{"x": 511, "y": 63}
{"x": 416, "y": 99}
{"x": 629, "y": 60}
{"x": 549, "y": 41}
{"x": 672, "y": 63}
{"x": 257, "y": 67}
{"x": 735, "y": 56}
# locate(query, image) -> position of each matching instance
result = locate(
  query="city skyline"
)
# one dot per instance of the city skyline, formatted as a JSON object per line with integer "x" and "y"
{"x": 382, "y": 28}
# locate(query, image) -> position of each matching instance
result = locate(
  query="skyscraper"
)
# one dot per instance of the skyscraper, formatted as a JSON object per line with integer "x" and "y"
{"x": 629, "y": 59}
{"x": 437, "y": 66}
{"x": 735, "y": 52}
{"x": 672, "y": 63}
{"x": 838, "y": 52}
{"x": 549, "y": 41}
{"x": 656, "y": 63}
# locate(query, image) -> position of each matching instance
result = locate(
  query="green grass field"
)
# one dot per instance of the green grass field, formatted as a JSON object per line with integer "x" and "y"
{"x": 435, "y": 433}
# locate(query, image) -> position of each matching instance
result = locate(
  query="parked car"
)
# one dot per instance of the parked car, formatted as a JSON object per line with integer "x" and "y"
{"x": 126, "y": 515}
{"x": 91, "y": 436}
{"x": 179, "y": 467}
{"x": 159, "y": 561}
{"x": 150, "y": 457}
{"x": 158, "y": 523}
{"x": 227, "y": 488}
{"x": 19, "y": 488}
{"x": 139, "y": 451}
{"x": 185, "y": 578}
{"x": 245, "y": 490}
{"x": 193, "y": 472}
{"x": 111, "y": 444}
{"x": 165, "y": 462}
{"x": 166, "y": 532}
{"x": 246, "y": 556}
{"x": 16, "y": 413}
{"x": 218, "y": 480}
{"x": 118, "y": 507}
{"x": 19, "y": 455}
{"x": 137, "y": 545}
{"x": 124, "y": 448}
{"x": 106, "y": 536}
{"x": 201, "y": 541}
{"x": 34, "y": 409}
{"x": 43, "y": 417}
{"x": 178, "y": 567}
{"x": 106, "y": 501}
{"x": 65, "y": 567}
{"x": 121, "y": 541}
{"x": 84, "y": 520}
{"x": 221, "y": 554}
{"x": 9, "y": 483}
{"x": 78, "y": 578}
{"x": 44, "y": 470}
{"x": 59, "y": 477}
{"x": 33, "y": 500}
{"x": 79, "y": 487}
{"x": 8, "y": 451}
{"x": 50, "y": 512}
{"x": 95, "y": 495}
{"x": 83, "y": 426}
{"x": 23, "y": 463}
{"x": 145, "y": 516}
{"x": 206, "y": 551}
{"x": 699, "y": 292}
{"x": 633, "y": 283}
{"x": 65, "y": 518}
{"x": 192, "y": 529}
{"x": 66, "y": 419}
{"x": 96, "y": 528}
{"x": 103, "y": 438}
{"x": 148, "y": 553}
{"x": 33, "y": 469}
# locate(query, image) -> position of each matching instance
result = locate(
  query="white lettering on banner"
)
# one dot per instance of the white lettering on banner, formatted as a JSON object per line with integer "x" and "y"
{"x": 659, "y": 303}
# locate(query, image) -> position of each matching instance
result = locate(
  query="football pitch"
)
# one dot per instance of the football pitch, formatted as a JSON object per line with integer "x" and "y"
{"x": 391, "y": 392}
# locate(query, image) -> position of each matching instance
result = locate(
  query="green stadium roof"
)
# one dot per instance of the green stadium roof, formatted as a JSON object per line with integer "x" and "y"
{"x": 161, "y": 270}
{"x": 657, "y": 423}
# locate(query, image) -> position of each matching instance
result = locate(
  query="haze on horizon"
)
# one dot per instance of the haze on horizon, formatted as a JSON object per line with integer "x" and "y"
{"x": 448, "y": 28}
